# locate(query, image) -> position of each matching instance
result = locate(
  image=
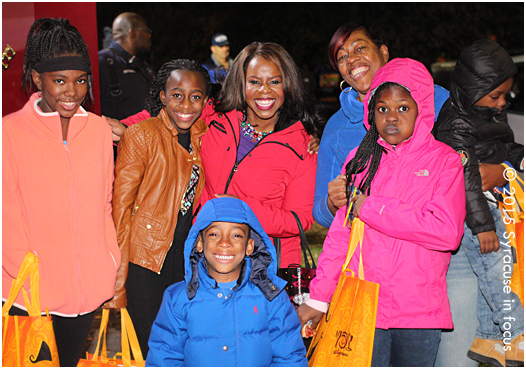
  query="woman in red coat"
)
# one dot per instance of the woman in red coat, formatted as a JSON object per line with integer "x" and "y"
{"x": 256, "y": 148}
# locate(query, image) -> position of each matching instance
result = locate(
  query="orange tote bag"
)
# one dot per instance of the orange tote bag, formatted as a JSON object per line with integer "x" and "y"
{"x": 128, "y": 339}
{"x": 27, "y": 340}
{"x": 345, "y": 334}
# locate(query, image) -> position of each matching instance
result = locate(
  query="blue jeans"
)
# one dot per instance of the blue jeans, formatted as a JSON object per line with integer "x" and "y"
{"x": 462, "y": 293}
{"x": 405, "y": 347}
{"x": 495, "y": 307}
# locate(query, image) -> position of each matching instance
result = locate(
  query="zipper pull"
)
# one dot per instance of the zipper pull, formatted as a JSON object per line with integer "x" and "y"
{"x": 235, "y": 167}
{"x": 135, "y": 210}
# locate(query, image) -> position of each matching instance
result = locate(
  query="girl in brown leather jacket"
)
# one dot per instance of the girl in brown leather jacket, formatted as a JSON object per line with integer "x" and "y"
{"x": 158, "y": 180}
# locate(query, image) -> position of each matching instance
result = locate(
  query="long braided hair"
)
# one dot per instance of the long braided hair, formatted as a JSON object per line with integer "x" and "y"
{"x": 51, "y": 38}
{"x": 153, "y": 103}
{"x": 369, "y": 152}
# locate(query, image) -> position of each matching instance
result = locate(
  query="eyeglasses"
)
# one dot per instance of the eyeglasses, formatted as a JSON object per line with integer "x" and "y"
{"x": 147, "y": 30}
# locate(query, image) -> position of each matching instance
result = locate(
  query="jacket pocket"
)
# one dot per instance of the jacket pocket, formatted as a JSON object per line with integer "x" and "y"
{"x": 145, "y": 232}
{"x": 218, "y": 126}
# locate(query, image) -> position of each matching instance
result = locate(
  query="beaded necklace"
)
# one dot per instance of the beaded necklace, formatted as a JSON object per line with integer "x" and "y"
{"x": 249, "y": 131}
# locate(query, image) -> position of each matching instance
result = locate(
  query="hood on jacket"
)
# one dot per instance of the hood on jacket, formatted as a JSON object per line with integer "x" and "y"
{"x": 481, "y": 67}
{"x": 414, "y": 76}
{"x": 263, "y": 265}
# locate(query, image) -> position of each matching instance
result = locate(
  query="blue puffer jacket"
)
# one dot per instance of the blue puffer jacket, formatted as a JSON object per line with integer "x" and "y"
{"x": 255, "y": 325}
{"x": 343, "y": 132}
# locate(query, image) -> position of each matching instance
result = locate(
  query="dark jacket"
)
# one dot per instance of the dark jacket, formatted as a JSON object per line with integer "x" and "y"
{"x": 125, "y": 82}
{"x": 152, "y": 174}
{"x": 254, "y": 324}
{"x": 479, "y": 134}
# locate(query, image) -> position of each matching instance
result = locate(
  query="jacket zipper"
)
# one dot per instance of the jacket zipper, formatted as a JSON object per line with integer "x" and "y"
{"x": 236, "y": 164}
{"x": 75, "y": 224}
{"x": 135, "y": 210}
{"x": 171, "y": 243}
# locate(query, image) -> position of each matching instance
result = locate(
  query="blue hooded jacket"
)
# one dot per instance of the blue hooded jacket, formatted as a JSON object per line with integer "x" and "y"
{"x": 255, "y": 325}
{"x": 344, "y": 131}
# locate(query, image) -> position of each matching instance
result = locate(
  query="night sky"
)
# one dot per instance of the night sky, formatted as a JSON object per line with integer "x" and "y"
{"x": 423, "y": 31}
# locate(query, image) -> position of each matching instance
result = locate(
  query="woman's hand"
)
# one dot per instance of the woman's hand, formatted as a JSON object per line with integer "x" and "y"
{"x": 306, "y": 313}
{"x": 489, "y": 242}
{"x": 358, "y": 201}
{"x": 117, "y": 128}
{"x": 314, "y": 145}
{"x": 492, "y": 176}
{"x": 337, "y": 195}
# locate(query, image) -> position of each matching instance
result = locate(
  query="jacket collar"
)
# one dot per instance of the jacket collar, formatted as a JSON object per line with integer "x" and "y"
{"x": 52, "y": 120}
{"x": 351, "y": 106}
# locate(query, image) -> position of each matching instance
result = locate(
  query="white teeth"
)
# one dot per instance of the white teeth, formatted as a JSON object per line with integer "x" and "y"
{"x": 358, "y": 70}
{"x": 265, "y": 103}
{"x": 224, "y": 257}
{"x": 185, "y": 116}
{"x": 68, "y": 103}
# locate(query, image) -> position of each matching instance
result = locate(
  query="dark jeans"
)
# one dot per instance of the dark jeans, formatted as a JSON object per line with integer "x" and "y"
{"x": 71, "y": 335}
{"x": 405, "y": 347}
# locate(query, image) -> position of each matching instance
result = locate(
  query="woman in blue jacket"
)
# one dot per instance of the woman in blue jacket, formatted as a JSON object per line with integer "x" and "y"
{"x": 213, "y": 320}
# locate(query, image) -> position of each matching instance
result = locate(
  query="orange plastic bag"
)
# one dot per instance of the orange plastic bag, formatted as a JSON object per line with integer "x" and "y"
{"x": 27, "y": 340}
{"x": 512, "y": 208}
{"x": 128, "y": 339}
{"x": 345, "y": 335}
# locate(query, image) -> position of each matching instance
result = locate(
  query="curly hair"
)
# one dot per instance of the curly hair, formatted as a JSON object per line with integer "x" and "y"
{"x": 153, "y": 103}
{"x": 296, "y": 105}
{"x": 49, "y": 38}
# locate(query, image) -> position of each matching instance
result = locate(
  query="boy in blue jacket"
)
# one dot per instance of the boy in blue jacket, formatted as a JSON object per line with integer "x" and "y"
{"x": 232, "y": 309}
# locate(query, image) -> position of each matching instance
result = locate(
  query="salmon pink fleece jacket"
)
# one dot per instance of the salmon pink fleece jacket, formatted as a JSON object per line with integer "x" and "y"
{"x": 57, "y": 204}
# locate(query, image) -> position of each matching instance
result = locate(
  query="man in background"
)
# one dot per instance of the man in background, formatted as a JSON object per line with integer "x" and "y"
{"x": 220, "y": 59}
{"x": 125, "y": 76}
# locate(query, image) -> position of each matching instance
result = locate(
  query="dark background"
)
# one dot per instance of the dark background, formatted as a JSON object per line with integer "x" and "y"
{"x": 423, "y": 31}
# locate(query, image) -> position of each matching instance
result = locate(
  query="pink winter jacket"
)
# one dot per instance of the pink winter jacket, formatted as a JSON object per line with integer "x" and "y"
{"x": 413, "y": 218}
{"x": 57, "y": 204}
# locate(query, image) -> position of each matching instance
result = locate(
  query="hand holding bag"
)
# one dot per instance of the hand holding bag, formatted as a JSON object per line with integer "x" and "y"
{"x": 345, "y": 334}
{"x": 298, "y": 278}
{"x": 28, "y": 340}
{"x": 128, "y": 339}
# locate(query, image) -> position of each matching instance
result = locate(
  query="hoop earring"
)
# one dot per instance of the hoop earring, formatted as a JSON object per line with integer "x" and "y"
{"x": 341, "y": 85}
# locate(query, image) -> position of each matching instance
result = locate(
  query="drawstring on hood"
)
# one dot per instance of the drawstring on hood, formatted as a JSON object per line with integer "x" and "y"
{"x": 261, "y": 263}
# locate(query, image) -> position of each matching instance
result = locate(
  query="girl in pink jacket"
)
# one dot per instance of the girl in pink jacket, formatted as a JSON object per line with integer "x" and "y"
{"x": 412, "y": 203}
{"x": 57, "y": 174}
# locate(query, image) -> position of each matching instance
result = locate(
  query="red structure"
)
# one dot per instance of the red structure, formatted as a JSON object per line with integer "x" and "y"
{"x": 17, "y": 18}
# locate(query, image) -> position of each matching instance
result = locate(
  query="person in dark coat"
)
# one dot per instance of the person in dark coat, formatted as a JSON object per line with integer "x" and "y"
{"x": 474, "y": 122}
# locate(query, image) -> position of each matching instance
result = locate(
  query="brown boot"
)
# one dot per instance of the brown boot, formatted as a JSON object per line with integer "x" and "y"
{"x": 488, "y": 351}
{"x": 515, "y": 352}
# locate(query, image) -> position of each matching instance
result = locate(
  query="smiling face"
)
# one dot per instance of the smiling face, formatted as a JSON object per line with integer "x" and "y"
{"x": 358, "y": 60}
{"x": 395, "y": 114}
{"x": 264, "y": 93}
{"x": 62, "y": 91}
{"x": 184, "y": 97}
{"x": 225, "y": 246}
{"x": 496, "y": 98}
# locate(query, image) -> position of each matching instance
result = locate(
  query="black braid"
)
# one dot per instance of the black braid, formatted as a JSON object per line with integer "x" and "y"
{"x": 50, "y": 38}
{"x": 369, "y": 152}
{"x": 153, "y": 103}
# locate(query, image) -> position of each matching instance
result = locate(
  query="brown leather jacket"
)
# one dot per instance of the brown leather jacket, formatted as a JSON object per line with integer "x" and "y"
{"x": 151, "y": 177}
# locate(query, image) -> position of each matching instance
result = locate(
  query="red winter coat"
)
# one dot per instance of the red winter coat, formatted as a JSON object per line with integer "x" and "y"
{"x": 275, "y": 178}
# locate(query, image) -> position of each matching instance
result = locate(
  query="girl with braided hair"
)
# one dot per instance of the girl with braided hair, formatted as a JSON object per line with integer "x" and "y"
{"x": 412, "y": 206}
{"x": 57, "y": 187}
{"x": 158, "y": 179}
